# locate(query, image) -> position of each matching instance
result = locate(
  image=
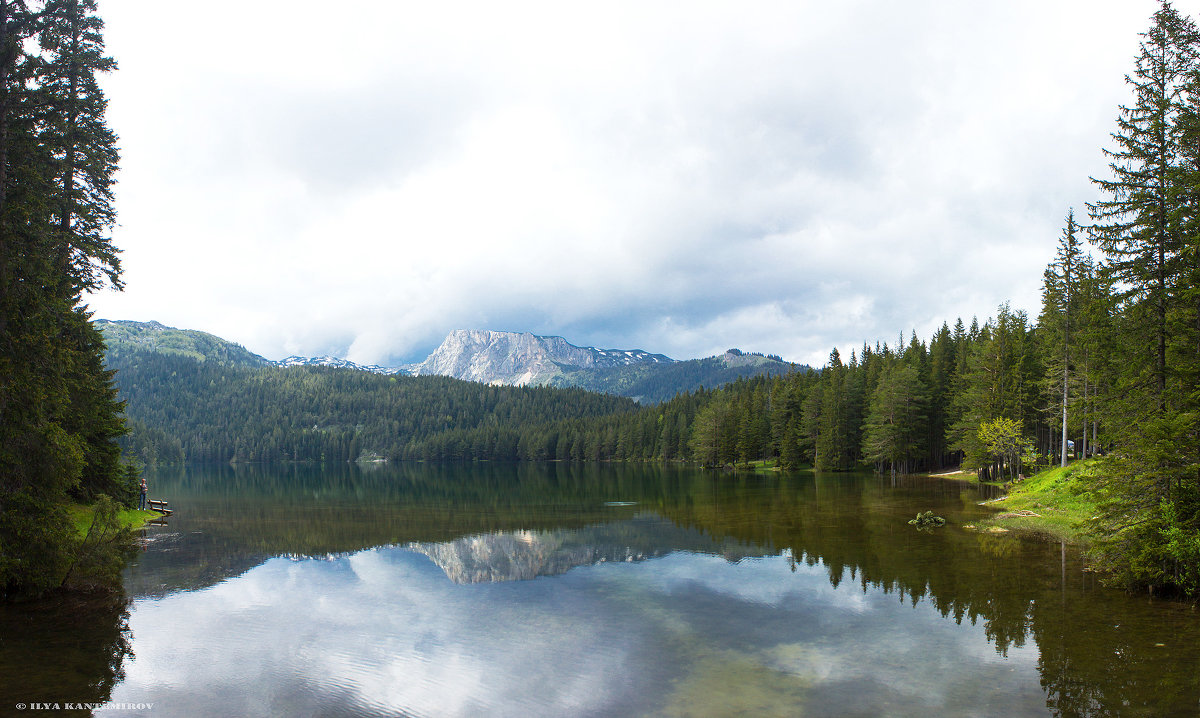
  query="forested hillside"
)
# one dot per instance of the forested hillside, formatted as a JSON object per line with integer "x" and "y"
{"x": 125, "y": 336}
{"x": 183, "y": 409}
{"x": 652, "y": 383}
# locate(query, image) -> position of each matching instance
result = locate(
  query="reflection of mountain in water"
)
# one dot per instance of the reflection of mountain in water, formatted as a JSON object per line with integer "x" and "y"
{"x": 523, "y": 555}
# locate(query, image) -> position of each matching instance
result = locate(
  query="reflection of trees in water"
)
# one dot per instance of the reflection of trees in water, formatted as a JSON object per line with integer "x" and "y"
{"x": 1099, "y": 662}
{"x": 1102, "y": 653}
{"x": 63, "y": 648}
{"x": 855, "y": 527}
{"x": 307, "y": 509}
{"x": 230, "y": 519}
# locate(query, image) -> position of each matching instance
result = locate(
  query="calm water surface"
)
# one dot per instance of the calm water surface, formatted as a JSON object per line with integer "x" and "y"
{"x": 566, "y": 590}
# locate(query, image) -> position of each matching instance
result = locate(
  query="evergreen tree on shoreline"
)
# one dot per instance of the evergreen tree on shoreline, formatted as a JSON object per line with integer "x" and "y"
{"x": 59, "y": 413}
{"x": 1059, "y": 311}
{"x": 1150, "y": 529}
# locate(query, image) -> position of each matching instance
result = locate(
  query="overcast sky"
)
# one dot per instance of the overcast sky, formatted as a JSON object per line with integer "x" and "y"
{"x": 782, "y": 177}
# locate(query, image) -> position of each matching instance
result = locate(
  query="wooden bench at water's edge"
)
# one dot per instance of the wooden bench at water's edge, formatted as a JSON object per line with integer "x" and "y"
{"x": 158, "y": 505}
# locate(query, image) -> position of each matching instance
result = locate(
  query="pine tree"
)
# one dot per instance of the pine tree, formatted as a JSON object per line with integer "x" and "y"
{"x": 1150, "y": 529}
{"x": 1136, "y": 226}
{"x": 59, "y": 414}
{"x": 833, "y": 444}
{"x": 998, "y": 379}
{"x": 1059, "y": 289}
{"x": 83, "y": 146}
{"x": 942, "y": 360}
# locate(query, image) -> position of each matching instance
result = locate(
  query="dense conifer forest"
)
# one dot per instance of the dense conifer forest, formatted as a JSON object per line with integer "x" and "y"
{"x": 183, "y": 409}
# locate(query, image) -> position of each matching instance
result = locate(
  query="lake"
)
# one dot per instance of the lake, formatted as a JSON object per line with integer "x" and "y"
{"x": 594, "y": 590}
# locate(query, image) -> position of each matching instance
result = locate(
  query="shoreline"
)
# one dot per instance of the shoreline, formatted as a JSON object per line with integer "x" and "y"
{"x": 1055, "y": 503}
{"x": 132, "y": 519}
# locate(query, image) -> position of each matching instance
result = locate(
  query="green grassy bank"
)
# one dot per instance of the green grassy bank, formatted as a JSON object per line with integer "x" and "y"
{"x": 81, "y": 516}
{"x": 1057, "y": 502}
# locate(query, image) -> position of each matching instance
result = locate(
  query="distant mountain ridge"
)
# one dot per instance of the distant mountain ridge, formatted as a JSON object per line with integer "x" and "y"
{"x": 655, "y": 383}
{"x": 341, "y": 364}
{"x": 488, "y": 357}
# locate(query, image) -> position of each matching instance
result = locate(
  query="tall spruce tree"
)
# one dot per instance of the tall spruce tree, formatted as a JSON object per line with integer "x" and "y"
{"x": 59, "y": 414}
{"x": 832, "y": 450}
{"x": 1136, "y": 225}
{"x": 1059, "y": 289}
{"x": 942, "y": 348}
{"x": 78, "y": 136}
{"x": 1150, "y": 532}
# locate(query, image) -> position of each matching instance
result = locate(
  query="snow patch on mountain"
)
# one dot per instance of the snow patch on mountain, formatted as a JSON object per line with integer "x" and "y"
{"x": 338, "y": 363}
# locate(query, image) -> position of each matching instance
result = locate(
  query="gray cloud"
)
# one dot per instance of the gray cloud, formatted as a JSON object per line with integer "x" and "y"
{"x": 784, "y": 178}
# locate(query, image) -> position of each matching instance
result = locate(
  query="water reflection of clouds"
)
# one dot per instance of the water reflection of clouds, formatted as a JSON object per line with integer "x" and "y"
{"x": 862, "y": 652}
{"x": 768, "y": 581}
{"x": 384, "y": 631}
{"x": 383, "y": 627}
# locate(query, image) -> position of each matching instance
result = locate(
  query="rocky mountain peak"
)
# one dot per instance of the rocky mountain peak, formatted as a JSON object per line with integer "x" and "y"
{"x": 522, "y": 358}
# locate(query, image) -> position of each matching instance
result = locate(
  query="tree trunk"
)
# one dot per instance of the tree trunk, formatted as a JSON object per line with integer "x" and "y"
{"x": 68, "y": 175}
{"x": 1084, "y": 444}
{"x": 1063, "y": 459}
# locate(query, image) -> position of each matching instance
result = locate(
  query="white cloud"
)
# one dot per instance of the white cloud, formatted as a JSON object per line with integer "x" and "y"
{"x": 781, "y": 176}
